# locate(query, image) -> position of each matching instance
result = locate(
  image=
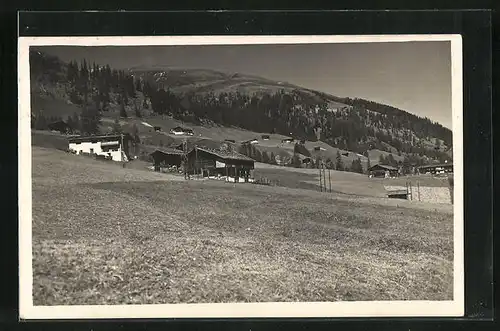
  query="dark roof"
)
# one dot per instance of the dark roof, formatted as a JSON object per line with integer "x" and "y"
{"x": 226, "y": 154}
{"x": 383, "y": 166}
{"x": 180, "y": 128}
{"x": 168, "y": 151}
{"x": 436, "y": 165}
{"x": 97, "y": 137}
{"x": 58, "y": 123}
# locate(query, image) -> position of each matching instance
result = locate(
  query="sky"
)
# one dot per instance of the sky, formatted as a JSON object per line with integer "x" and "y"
{"x": 413, "y": 76}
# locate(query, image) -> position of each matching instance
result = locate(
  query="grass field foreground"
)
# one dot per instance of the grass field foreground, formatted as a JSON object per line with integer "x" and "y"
{"x": 107, "y": 235}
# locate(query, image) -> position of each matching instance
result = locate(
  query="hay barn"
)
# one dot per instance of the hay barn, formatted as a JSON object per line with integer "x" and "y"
{"x": 382, "y": 170}
{"x": 166, "y": 157}
{"x": 220, "y": 163}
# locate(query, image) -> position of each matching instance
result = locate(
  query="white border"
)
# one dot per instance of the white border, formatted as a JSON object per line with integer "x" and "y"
{"x": 453, "y": 308}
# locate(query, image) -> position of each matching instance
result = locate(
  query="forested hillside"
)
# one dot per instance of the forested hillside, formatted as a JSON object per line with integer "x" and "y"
{"x": 356, "y": 125}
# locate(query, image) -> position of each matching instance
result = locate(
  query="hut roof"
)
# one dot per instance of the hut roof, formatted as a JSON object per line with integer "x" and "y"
{"x": 436, "y": 165}
{"x": 383, "y": 166}
{"x": 167, "y": 151}
{"x": 226, "y": 154}
{"x": 97, "y": 137}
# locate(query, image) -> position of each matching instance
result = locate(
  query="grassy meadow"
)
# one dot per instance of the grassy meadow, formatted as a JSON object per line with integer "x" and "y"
{"x": 103, "y": 234}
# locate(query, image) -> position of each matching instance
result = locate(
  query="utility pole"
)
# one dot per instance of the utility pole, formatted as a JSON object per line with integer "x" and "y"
{"x": 329, "y": 181}
{"x": 320, "y": 180}
{"x": 418, "y": 189}
{"x": 324, "y": 176}
{"x": 196, "y": 162}
{"x": 122, "y": 149}
{"x": 185, "y": 158}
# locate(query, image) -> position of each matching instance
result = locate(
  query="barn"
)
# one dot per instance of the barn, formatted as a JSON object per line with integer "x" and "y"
{"x": 166, "y": 157}
{"x": 220, "y": 163}
{"x": 382, "y": 170}
{"x": 60, "y": 126}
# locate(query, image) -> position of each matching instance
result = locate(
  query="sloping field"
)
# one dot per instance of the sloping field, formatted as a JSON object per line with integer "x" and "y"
{"x": 107, "y": 235}
{"x": 49, "y": 139}
{"x": 341, "y": 181}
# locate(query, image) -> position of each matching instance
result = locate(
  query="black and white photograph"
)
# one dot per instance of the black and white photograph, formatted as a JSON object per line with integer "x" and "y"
{"x": 243, "y": 176}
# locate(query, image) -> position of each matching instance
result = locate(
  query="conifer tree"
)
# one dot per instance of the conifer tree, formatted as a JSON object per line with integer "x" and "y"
{"x": 137, "y": 111}
{"x": 272, "y": 158}
{"x": 339, "y": 165}
{"x": 296, "y": 161}
{"x": 90, "y": 120}
{"x": 123, "y": 112}
{"x": 69, "y": 122}
{"x": 265, "y": 157}
{"x": 41, "y": 122}
{"x": 76, "y": 122}
{"x": 329, "y": 163}
{"x": 117, "y": 128}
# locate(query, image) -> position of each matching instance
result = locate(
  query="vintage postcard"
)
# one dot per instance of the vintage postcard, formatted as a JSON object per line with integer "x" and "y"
{"x": 240, "y": 176}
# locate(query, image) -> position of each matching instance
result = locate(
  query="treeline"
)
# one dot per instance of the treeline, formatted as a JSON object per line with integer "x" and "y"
{"x": 400, "y": 119}
{"x": 298, "y": 115}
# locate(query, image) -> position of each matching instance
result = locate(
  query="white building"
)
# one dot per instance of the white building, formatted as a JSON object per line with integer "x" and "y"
{"x": 114, "y": 147}
{"x": 179, "y": 131}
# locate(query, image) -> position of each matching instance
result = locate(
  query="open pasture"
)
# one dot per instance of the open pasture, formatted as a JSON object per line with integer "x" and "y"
{"x": 103, "y": 234}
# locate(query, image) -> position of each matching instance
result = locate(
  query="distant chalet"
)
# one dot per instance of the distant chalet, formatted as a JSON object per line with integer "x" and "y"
{"x": 382, "y": 170}
{"x": 251, "y": 142}
{"x": 434, "y": 169}
{"x": 180, "y": 131}
{"x": 220, "y": 163}
{"x": 113, "y": 147}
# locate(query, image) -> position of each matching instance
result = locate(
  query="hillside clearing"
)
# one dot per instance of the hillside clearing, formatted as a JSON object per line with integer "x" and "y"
{"x": 107, "y": 235}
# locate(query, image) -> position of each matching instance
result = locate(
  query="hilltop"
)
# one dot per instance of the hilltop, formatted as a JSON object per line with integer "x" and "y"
{"x": 231, "y": 106}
